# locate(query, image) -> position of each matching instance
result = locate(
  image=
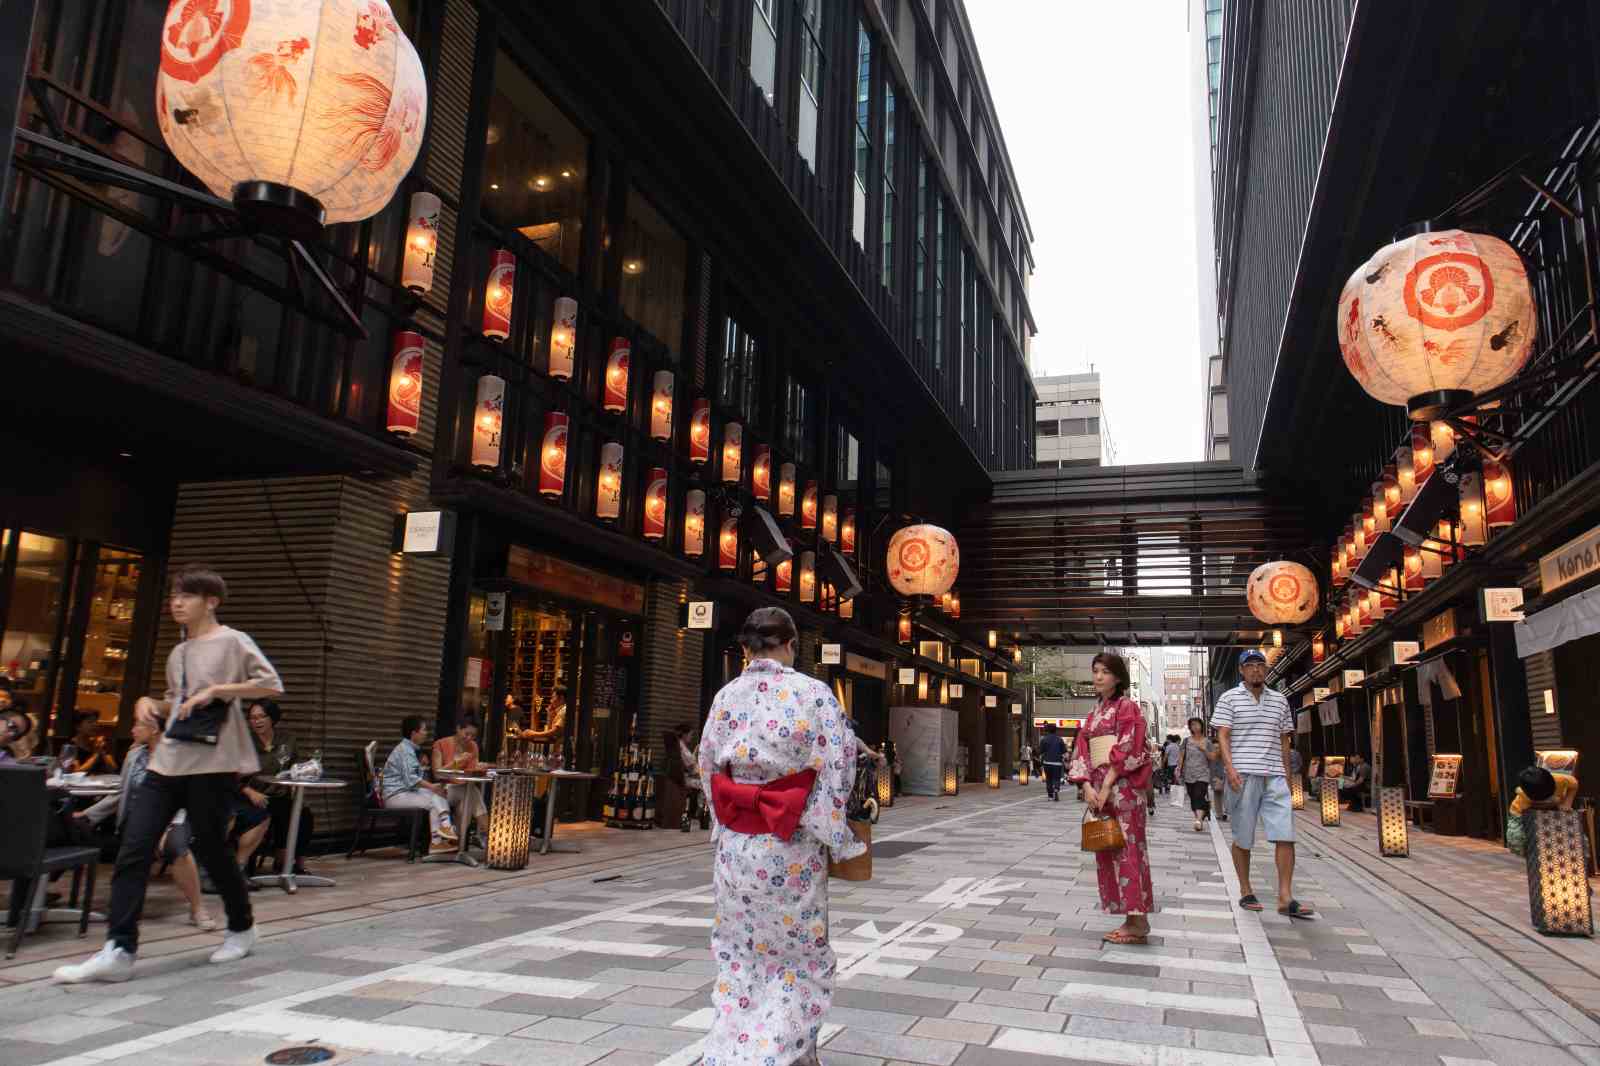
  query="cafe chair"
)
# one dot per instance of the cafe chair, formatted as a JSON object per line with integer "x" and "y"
{"x": 26, "y": 856}
{"x": 370, "y": 809}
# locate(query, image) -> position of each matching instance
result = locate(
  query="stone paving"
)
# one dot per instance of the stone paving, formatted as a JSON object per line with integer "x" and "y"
{"x": 976, "y": 942}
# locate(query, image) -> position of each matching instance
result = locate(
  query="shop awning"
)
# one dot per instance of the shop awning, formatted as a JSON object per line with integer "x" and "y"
{"x": 1574, "y": 617}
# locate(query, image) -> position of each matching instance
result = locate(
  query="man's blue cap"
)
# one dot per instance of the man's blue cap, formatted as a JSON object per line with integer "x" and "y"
{"x": 1252, "y": 655}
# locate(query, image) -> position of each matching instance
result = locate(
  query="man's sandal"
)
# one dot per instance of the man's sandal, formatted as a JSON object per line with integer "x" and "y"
{"x": 1250, "y": 903}
{"x": 1295, "y": 909}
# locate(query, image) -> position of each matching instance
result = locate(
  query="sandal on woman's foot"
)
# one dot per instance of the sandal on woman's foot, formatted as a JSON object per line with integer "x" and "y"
{"x": 202, "y": 920}
{"x": 1250, "y": 903}
{"x": 1125, "y": 938}
{"x": 1296, "y": 909}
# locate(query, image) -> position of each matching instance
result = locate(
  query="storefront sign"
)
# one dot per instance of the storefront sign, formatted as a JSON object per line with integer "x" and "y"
{"x": 832, "y": 654}
{"x": 991, "y": 701}
{"x": 956, "y": 691}
{"x": 1439, "y": 629}
{"x": 701, "y": 614}
{"x": 860, "y": 664}
{"x": 1406, "y": 650}
{"x": 575, "y": 582}
{"x": 625, "y": 644}
{"x": 425, "y": 533}
{"x": 494, "y": 611}
{"x": 1320, "y": 693}
{"x": 1016, "y": 708}
{"x": 1502, "y": 605}
{"x": 1353, "y": 678}
{"x": 1446, "y": 773}
{"x": 908, "y": 676}
{"x": 1577, "y": 558}
{"x": 479, "y": 673}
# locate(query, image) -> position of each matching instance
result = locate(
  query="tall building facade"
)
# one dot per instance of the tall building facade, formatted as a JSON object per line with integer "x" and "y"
{"x": 1205, "y": 82}
{"x": 1071, "y": 427}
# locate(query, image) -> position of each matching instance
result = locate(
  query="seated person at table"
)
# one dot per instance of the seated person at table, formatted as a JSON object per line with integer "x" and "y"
{"x": 26, "y": 740}
{"x": 459, "y": 751}
{"x": 93, "y": 753}
{"x": 405, "y": 786}
{"x": 173, "y": 851}
{"x": 278, "y": 752}
{"x": 1358, "y": 784}
{"x": 14, "y": 725}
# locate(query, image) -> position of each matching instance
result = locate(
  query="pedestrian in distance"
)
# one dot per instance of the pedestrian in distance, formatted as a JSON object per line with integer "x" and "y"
{"x": 211, "y": 671}
{"x": 1254, "y": 728}
{"x": 1025, "y": 757}
{"x": 1053, "y": 757}
{"x": 1111, "y": 762}
{"x": 1194, "y": 771}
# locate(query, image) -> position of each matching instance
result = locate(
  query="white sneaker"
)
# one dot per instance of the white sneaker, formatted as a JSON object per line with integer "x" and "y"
{"x": 235, "y": 946}
{"x": 111, "y": 963}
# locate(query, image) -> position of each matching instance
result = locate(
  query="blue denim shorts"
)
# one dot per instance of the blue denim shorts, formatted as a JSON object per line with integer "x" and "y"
{"x": 1264, "y": 799}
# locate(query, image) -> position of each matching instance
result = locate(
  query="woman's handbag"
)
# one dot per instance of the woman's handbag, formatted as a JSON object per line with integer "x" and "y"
{"x": 860, "y": 867}
{"x": 1101, "y": 832}
{"x": 859, "y": 809}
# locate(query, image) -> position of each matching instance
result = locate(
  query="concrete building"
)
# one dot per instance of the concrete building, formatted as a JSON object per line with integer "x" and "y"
{"x": 1205, "y": 67}
{"x": 1071, "y": 429}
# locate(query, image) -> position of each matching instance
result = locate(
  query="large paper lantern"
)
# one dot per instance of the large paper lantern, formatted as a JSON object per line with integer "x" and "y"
{"x": 1282, "y": 593}
{"x": 1435, "y": 318}
{"x": 405, "y": 383}
{"x": 301, "y": 113}
{"x": 487, "y": 416}
{"x": 923, "y": 561}
{"x": 553, "y": 455}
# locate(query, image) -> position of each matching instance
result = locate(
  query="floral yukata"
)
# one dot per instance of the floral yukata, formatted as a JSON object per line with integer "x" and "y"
{"x": 775, "y": 964}
{"x": 1125, "y": 886}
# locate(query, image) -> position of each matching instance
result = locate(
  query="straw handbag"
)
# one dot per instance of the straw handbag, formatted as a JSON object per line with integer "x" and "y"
{"x": 860, "y": 867}
{"x": 1101, "y": 832}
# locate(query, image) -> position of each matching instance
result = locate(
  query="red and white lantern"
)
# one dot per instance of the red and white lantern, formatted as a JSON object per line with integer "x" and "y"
{"x": 694, "y": 523}
{"x": 615, "y": 398}
{"x": 784, "y": 576}
{"x": 1473, "y": 530}
{"x": 923, "y": 560}
{"x": 553, "y": 455}
{"x": 1412, "y": 570}
{"x": 1443, "y": 435}
{"x": 1499, "y": 495}
{"x": 655, "y": 505}
{"x": 405, "y": 382}
{"x": 422, "y": 243}
{"x": 1405, "y": 476}
{"x": 830, "y": 518}
{"x": 487, "y": 417}
{"x": 808, "y": 506}
{"x": 700, "y": 432}
{"x": 608, "y": 486}
{"x": 563, "y": 337}
{"x": 786, "y": 474}
{"x": 1422, "y": 461}
{"x": 498, "y": 294}
{"x": 955, "y": 605}
{"x": 1319, "y": 648}
{"x": 728, "y": 544}
{"x": 761, "y": 474}
{"x": 661, "y": 405}
{"x": 847, "y": 532}
{"x": 732, "y": 452}
{"x": 1282, "y": 593}
{"x": 808, "y": 577}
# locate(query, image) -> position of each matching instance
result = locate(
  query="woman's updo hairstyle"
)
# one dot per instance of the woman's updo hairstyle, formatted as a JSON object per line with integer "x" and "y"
{"x": 766, "y": 629}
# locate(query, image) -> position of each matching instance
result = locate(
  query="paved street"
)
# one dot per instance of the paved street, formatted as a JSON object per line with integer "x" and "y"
{"x": 976, "y": 942}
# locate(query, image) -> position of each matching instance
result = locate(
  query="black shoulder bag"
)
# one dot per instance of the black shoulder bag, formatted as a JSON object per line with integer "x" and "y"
{"x": 204, "y": 723}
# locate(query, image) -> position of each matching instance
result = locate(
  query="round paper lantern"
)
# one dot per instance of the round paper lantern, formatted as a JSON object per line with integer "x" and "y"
{"x": 923, "y": 561}
{"x": 302, "y": 114}
{"x": 1282, "y": 593}
{"x": 1436, "y": 318}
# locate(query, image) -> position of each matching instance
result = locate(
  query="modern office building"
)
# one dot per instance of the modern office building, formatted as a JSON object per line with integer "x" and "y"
{"x": 1071, "y": 425}
{"x": 1205, "y": 82}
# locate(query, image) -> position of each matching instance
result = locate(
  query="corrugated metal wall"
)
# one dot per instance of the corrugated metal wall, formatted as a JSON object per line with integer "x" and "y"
{"x": 671, "y": 664}
{"x": 1541, "y": 675}
{"x": 451, "y": 89}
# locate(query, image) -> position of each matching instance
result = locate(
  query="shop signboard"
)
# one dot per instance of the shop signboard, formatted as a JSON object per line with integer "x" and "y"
{"x": 957, "y": 691}
{"x": 991, "y": 701}
{"x": 1016, "y": 709}
{"x": 701, "y": 614}
{"x": 1446, "y": 774}
{"x": 572, "y": 581}
{"x": 494, "y": 611}
{"x": 908, "y": 676}
{"x": 1353, "y": 678}
{"x": 1575, "y": 559}
{"x": 1439, "y": 629}
{"x": 832, "y": 654}
{"x": 430, "y": 534}
{"x": 1502, "y": 605}
{"x": 860, "y": 664}
{"x": 1320, "y": 693}
{"x": 1406, "y": 650}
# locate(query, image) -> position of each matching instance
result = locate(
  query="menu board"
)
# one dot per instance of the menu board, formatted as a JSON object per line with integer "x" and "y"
{"x": 608, "y": 687}
{"x": 1446, "y": 773}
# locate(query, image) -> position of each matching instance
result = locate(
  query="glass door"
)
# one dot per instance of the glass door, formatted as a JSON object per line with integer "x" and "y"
{"x": 36, "y": 588}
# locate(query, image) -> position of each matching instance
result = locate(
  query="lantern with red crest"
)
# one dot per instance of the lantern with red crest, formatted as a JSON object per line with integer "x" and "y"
{"x": 700, "y": 432}
{"x": 808, "y": 506}
{"x": 655, "y": 505}
{"x": 405, "y": 383}
{"x": 1319, "y": 648}
{"x": 498, "y": 295}
{"x": 694, "y": 523}
{"x": 615, "y": 398}
{"x": 553, "y": 455}
{"x": 761, "y": 474}
{"x": 1422, "y": 460}
{"x": 1499, "y": 495}
{"x": 1411, "y": 570}
{"x": 923, "y": 560}
{"x": 784, "y": 575}
{"x": 847, "y": 531}
{"x": 1282, "y": 593}
{"x": 728, "y": 544}
{"x": 661, "y": 406}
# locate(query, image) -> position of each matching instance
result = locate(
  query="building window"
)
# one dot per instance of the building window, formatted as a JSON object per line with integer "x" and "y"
{"x": 739, "y": 383}
{"x": 654, "y": 271}
{"x": 848, "y": 459}
{"x": 764, "y": 48}
{"x": 889, "y": 200}
{"x": 1050, "y": 428}
{"x": 797, "y": 415}
{"x": 883, "y": 483}
{"x": 810, "y": 78}
{"x": 858, "y": 218}
{"x": 919, "y": 311}
{"x": 940, "y": 250}
{"x": 535, "y": 166}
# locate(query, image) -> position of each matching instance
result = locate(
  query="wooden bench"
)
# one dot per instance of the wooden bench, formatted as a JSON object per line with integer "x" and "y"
{"x": 1417, "y": 809}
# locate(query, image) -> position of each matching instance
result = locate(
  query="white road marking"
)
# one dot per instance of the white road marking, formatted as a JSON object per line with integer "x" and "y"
{"x": 596, "y": 947}
{"x": 1122, "y": 1053}
{"x": 1237, "y": 1006}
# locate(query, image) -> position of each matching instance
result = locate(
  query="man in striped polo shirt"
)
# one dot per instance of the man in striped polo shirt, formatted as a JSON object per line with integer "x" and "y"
{"x": 1254, "y": 727}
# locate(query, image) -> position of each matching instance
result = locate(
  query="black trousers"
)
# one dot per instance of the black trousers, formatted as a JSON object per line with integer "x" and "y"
{"x": 1052, "y": 778}
{"x": 151, "y": 806}
{"x": 1199, "y": 796}
{"x": 278, "y": 807}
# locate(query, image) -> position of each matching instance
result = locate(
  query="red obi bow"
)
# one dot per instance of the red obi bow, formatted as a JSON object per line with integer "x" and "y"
{"x": 774, "y": 807}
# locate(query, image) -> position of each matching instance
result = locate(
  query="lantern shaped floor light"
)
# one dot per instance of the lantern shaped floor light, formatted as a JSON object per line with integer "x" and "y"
{"x": 1558, "y": 882}
{"x": 923, "y": 560}
{"x": 1022, "y": 772}
{"x": 994, "y": 775}
{"x": 303, "y": 114}
{"x": 1436, "y": 318}
{"x": 1297, "y": 792}
{"x": 1282, "y": 593}
{"x": 1330, "y": 799}
{"x": 1392, "y": 842}
{"x": 885, "y": 785}
{"x": 952, "y": 780}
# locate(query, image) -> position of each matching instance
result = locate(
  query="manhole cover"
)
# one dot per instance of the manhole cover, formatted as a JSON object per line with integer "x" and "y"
{"x": 290, "y": 1056}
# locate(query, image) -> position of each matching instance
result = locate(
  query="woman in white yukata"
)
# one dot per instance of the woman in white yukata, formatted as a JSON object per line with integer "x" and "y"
{"x": 780, "y": 756}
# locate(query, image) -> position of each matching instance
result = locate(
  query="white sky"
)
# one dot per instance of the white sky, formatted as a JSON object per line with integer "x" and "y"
{"x": 1094, "y": 102}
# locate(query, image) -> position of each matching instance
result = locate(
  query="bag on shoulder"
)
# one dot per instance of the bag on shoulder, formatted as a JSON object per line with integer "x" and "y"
{"x": 203, "y": 725}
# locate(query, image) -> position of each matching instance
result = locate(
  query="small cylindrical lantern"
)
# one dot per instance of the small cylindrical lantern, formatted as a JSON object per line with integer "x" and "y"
{"x": 1330, "y": 800}
{"x": 1297, "y": 792}
{"x": 1389, "y": 590}
{"x": 661, "y": 405}
{"x": 498, "y": 295}
{"x": 1422, "y": 460}
{"x": 553, "y": 455}
{"x": 615, "y": 398}
{"x": 1016, "y": 654}
{"x": 944, "y": 602}
{"x": 786, "y": 490}
{"x": 608, "y": 486}
{"x": 487, "y": 417}
{"x": 1277, "y": 638}
{"x": 1499, "y": 496}
{"x": 1359, "y": 540}
{"x": 783, "y": 579}
{"x": 902, "y": 629}
{"x": 922, "y": 685}
{"x": 1411, "y": 569}
{"x": 994, "y": 640}
{"x": 732, "y": 453}
{"x": 830, "y": 518}
{"x": 1474, "y": 528}
{"x": 847, "y": 531}
{"x": 1444, "y": 441}
{"x": 1380, "y": 508}
{"x": 847, "y": 608}
{"x": 728, "y": 544}
{"x": 885, "y": 788}
{"x": 955, "y": 605}
{"x": 563, "y": 337}
{"x": 405, "y": 382}
{"x": 1450, "y": 540}
{"x": 700, "y": 432}
{"x": 808, "y": 577}
{"x": 1319, "y": 648}
{"x": 1338, "y": 626}
{"x": 694, "y": 523}
{"x": 655, "y": 505}
{"x": 761, "y": 474}
{"x": 952, "y": 780}
{"x": 1369, "y": 522}
{"x": 808, "y": 506}
{"x": 1022, "y": 772}
{"x": 1405, "y": 474}
{"x": 1392, "y": 842}
{"x": 1433, "y": 558}
{"x": 994, "y": 775}
{"x": 422, "y": 243}
{"x": 1558, "y": 882}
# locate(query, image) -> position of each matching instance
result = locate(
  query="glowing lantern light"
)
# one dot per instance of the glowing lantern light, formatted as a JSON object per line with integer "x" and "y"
{"x": 944, "y": 602}
{"x": 847, "y": 608}
{"x": 808, "y": 506}
{"x": 661, "y": 405}
{"x": 808, "y": 577}
{"x": 608, "y": 487}
{"x": 1392, "y": 842}
{"x": 700, "y": 432}
{"x": 786, "y": 490}
{"x": 1016, "y": 653}
{"x": 1443, "y": 436}
{"x": 563, "y": 337}
{"x": 304, "y": 114}
{"x": 732, "y": 452}
{"x": 1319, "y": 648}
{"x": 498, "y": 293}
{"x": 1412, "y": 570}
{"x": 1435, "y": 318}
{"x": 1330, "y": 794}
{"x": 1405, "y": 476}
{"x": 422, "y": 243}
{"x": 903, "y": 629}
{"x": 994, "y": 639}
{"x": 1449, "y": 541}
{"x": 830, "y": 518}
{"x": 785, "y": 576}
{"x": 655, "y": 505}
{"x": 922, "y": 685}
{"x": 1297, "y": 793}
{"x": 1277, "y": 639}
{"x": 405, "y": 383}
{"x": 1338, "y": 626}
{"x": 694, "y": 523}
{"x": 952, "y": 780}
{"x": 1282, "y": 593}
{"x": 1387, "y": 599}
{"x": 486, "y": 420}
{"x": 728, "y": 544}
{"x": 1558, "y": 882}
{"x": 1433, "y": 553}
{"x": 955, "y": 606}
{"x": 1022, "y": 773}
{"x": 923, "y": 560}
{"x": 761, "y": 474}
{"x": 994, "y": 775}
{"x": 1421, "y": 453}
{"x": 885, "y": 781}
{"x": 1500, "y": 500}
{"x": 847, "y": 532}
{"x": 616, "y": 381}
{"x": 1474, "y": 530}
{"x": 553, "y": 455}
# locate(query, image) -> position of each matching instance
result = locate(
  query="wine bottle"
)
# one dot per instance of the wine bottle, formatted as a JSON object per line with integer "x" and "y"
{"x": 609, "y": 807}
{"x": 650, "y": 800}
{"x": 638, "y": 801}
{"x": 625, "y": 801}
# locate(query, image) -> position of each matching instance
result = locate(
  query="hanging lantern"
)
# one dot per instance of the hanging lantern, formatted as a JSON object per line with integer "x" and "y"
{"x": 1369, "y": 521}
{"x": 498, "y": 293}
{"x": 563, "y": 337}
{"x": 1499, "y": 496}
{"x": 786, "y": 490}
{"x": 955, "y": 605}
{"x": 405, "y": 382}
{"x": 694, "y": 523}
{"x": 661, "y": 405}
{"x": 655, "y": 505}
{"x": 486, "y": 421}
{"x": 608, "y": 486}
{"x": 1338, "y": 626}
{"x": 847, "y": 608}
{"x": 1277, "y": 639}
{"x": 1450, "y": 541}
{"x": 1387, "y": 598}
{"x": 1336, "y": 568}
{"x": 1435, "y": 318}
{"x": 616, "y": 380}
{"x": 761, "y": 474}
{"x": 1319, "y": 648}
{"x": 830, "y": 518}
{"x": 1433, "y": 553}
{"x": 1422, "y": 461}
{"x": 1411, "y": 570}
{"x": 847, "y": 531}
{"x": 903, "y": 629}
{"x": 700, "y": 432}
{"x": 1474, "y": 528}
{"x": 808, "y": 506}
{"x": 1282, "y": 593}
{"x": 304, "y": 114}
{"x": 553, "y": 455}
{"x": 922, "y": 685}
{"x": 1392, "y": 842}
{"x": 422, "y": 243}
{"x": 944, "y": 602}
{"x": 808, "y": 577}
{"x": 1358, "y": 540}
{"x": 728, "y": 544}
{"x": 923, "y": 560}
{"x": 785, "y": 576}
{"x": 1016, "y": 653}
{"x": 1443, "y": 436}
{"x": 732, "y": 452}
{"x": 994, "y": 640}
{"x": 1366, "y": 604}
{"x": 758, "y": 567}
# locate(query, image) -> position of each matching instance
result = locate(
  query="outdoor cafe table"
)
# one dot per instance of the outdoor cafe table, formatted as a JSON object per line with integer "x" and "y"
{"x": 90, "y": 786}
{"x": 474, "y": 783}
{"x": 286, "y": 878}
{"x": 555, "y": 777}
